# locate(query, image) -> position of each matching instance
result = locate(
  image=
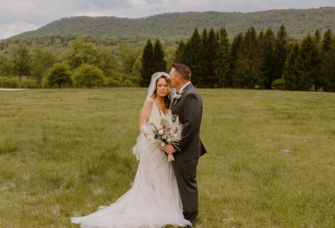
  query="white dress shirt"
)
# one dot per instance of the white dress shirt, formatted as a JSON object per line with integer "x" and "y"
{"x": 181, "y": 89}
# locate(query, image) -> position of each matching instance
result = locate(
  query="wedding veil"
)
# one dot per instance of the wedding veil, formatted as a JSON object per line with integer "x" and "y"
{"x": 153, "y": 82}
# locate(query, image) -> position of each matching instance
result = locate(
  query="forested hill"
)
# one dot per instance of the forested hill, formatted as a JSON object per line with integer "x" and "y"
{"x": 298, "y": 23}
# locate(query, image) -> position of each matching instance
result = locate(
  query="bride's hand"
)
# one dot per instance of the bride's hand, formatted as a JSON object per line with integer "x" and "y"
{"x": 160, "y": 147}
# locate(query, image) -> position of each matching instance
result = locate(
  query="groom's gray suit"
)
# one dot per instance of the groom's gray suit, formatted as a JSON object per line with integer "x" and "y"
{"x": 188, "y": 150}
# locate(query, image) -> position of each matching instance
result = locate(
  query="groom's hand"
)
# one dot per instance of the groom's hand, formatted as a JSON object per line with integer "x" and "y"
{"x": 169, "y": 149}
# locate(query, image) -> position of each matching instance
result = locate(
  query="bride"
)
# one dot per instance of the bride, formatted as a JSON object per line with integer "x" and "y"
{"x": 153, "y": 200}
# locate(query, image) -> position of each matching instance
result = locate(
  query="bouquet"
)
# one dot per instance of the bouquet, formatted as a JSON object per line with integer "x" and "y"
{"x": 163, "y": 129}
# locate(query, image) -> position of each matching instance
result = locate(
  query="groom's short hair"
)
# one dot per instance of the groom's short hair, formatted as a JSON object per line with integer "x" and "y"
{"x": 183, "y": 70}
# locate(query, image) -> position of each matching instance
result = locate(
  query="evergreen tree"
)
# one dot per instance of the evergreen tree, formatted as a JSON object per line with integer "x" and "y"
{"x": 317, "y": 40}
{"x": 260, "y": 37}
{"x": 223, "y": 71}
{"x": 187, "y": 56}
{"x": 158, "y": 54}
{"x": 193, "y": 56}
{"x": 248, "y": 72}
{"x": 328, "y": 70}
{"x": 281, "y": 50}
{"x": 267, "y": 58}
{"x": 180, "y": 52}
{"x": 234, "y": 52}
{"x": 327, "y": 66}
{"x": 212, "y": 60}
{"x": 203, "y": 61}
{"x": 326, "y": 41}
{"x": 148, "y": 64}
{"x": 290, "y": 71}
{"x": 307, "y": 63}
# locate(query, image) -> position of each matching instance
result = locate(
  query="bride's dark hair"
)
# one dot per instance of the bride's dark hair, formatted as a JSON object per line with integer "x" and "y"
{"x": 167, "y": 99}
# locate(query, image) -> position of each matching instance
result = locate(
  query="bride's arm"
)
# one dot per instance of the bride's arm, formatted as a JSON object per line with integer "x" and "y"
{"x": 146, "y": 110}
{"x": 145, "y": 114}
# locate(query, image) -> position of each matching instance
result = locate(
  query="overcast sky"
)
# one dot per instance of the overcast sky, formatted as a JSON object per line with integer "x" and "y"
{"x": 17, "y": 16}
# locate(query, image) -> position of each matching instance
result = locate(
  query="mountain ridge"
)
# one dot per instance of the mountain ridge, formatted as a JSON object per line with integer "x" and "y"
{"x": 297, "y": 21}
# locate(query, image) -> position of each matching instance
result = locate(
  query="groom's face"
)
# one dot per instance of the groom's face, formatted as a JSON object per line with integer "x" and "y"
{"x": 173, "y": 78}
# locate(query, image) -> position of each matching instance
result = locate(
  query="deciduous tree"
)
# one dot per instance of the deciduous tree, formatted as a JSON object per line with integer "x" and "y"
{"x": 89, "y": 76}
{"x": 59, "y": 74}
{"x": 41, "y": 62}
{"x": 22, "y": 64}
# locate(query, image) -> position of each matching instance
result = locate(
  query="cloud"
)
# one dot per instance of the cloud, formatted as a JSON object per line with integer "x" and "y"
{"x": 19, "y": 16}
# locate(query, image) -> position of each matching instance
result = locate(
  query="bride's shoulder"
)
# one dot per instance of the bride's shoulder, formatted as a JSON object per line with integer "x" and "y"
{"x": 148, "y": 102}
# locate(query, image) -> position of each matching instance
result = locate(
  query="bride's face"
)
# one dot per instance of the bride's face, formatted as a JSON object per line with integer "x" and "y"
{"x": 162, "y": 87}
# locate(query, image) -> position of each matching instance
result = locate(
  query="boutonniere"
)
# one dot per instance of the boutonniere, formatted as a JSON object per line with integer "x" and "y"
{"x": 178, "y": 96}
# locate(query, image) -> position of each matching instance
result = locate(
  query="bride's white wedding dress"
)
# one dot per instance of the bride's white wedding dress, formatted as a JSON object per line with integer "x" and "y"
{"x": 153, "y": 200}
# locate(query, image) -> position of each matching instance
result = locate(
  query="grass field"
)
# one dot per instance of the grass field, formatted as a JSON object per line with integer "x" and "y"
{"x": 270, "y": 160}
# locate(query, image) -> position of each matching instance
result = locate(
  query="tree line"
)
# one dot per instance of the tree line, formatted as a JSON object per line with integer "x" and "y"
{"x": 21, "y": 66}
{"x": 266, "y": 60}
{"x": 258, "y": 61}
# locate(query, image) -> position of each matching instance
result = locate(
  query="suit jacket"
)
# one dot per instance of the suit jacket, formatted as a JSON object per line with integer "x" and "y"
{"x": 189, "y": 110}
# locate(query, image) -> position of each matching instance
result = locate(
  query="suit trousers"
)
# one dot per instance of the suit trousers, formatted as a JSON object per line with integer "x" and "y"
{"x": 185, "y": 171}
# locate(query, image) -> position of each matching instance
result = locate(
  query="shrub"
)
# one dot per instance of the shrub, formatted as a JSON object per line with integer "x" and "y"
{"x": 89, "y": 76}
{"x": 59, "y": 74}
{"x": 278, "y": 84}
{"x": 127, "y": 83}
{"x": 28, "y": 84}
{"x": 6, "y": 82}
{"x": 113, "y": 82}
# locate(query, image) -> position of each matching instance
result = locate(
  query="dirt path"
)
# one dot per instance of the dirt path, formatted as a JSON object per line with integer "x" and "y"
{"x": 11, "y": 89}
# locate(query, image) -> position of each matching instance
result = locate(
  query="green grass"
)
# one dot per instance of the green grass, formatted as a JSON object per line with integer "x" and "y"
{"x": 270, "y": 160}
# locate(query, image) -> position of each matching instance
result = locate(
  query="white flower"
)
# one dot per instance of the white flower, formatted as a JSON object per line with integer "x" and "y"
{"x": 171, "y": 132}
{"x": 177, "y": 96}
{"x": 164, "y": 137}
{"x": 169, "y": 140}
{"x": 175, "y": 135}
{"x": 163, "y": 144}
{"x": 160, "y": 132}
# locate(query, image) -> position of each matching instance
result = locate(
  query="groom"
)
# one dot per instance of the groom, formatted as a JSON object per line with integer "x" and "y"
{"x": 188, "y": 106}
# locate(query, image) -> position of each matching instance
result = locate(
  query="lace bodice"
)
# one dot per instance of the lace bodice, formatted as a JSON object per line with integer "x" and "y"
{"x": 154, "y": 109}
